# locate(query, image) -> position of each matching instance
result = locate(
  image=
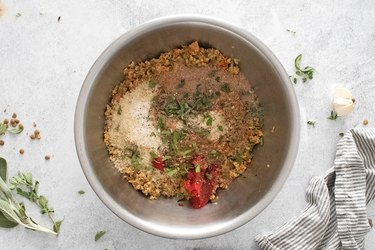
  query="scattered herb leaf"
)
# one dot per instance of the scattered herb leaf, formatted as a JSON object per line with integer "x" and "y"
{"x": 306, "y": 73}
{"x": 311, "y": 123}
{"x": 291, "y": 31}
{"x": 119, "y": 111}
{"x": 18, "y": 14}
{"x": 99, "y": 234}
{"x": 341, "y": 134}
{"x": 333, "y": 115}
{"x": 59, "y": 18}
{"x": 81, "y": 192}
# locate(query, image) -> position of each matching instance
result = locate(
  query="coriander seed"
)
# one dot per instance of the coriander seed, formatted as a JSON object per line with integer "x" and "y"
{"x": 47, "y": 157}
{"x": 32, "y": 136}
{"x": 365, "y": 122}
{"x": 6, "y": 121}
{"x": 20, "y": 126}
{"x": 14, "y": 115}
{"x": 22, "y": 151}
{"x": 2, "y": 142}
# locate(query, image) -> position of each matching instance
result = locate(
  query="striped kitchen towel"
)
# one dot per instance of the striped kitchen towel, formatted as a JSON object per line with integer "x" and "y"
{"x": 335, "y": 214}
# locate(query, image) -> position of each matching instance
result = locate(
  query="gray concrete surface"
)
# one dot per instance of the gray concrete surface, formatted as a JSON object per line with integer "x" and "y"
{"x": 43, "y": 63}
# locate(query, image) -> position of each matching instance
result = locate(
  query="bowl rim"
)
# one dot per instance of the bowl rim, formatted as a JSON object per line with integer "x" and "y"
{"x": 209, "y": 231}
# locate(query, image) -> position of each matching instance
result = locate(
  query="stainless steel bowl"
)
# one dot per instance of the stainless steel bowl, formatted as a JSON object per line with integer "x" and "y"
{"x": 249, "y": 194}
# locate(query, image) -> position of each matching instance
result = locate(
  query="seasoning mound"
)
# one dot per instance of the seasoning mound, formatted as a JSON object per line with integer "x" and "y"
{"x": 183, "y": 124}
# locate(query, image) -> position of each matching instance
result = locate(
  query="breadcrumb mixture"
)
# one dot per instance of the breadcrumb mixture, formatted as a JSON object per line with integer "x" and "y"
{"x": 188, "y": 102}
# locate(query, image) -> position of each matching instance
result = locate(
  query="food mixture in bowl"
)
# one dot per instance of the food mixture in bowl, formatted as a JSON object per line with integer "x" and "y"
{"x": 183, "y": 124}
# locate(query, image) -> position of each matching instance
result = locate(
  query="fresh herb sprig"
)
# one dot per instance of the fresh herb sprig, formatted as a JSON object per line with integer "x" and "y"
{"x": 13, "y": 212}
{"x": 24, "y": 181}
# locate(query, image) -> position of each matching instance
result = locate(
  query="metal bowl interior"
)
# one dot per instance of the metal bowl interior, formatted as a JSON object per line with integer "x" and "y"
{"x": 249, "y": 194}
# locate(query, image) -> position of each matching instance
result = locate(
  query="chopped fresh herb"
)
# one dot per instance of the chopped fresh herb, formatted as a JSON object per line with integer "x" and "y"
{"x": 181, "y": 83}
{"x": 225, "y": 88}
{"x": 153, "y": 154}
{"x": 167, "y": 157}
{"x": 186, "y": 152}
{"x": 18, "y": 14}
{"x": 333, "y": 115}
{"x": 99, "y": 234}
{"x": 262, "y": 141}
{"x": 151, "y": 84}
{"x": 217, "y": 78}
{"x": 59, "y": 18}
{"x": 81, "y": 192}
{"x": 161, "y": 123}
{"x": 153, "y": 134}
{"x": 311, "y": 123}
{"x": 170, "y": 171}
{"x": 291, "y": 31}
{"x": 306, "y": 73}
{"x": 220, "y": 128}
{"x": 197, "y": 168}
{"x": 133, "y": 154}
{"x": 209, "y": 121}
{"x": 237, "y": 157}
{"x": 119, "y": 111}
{"x": 213, "y": 153}
{"x": 341, "y": 134}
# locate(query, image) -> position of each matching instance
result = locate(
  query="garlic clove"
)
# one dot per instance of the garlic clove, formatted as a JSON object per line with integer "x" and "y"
{"x": 343, "y": 101}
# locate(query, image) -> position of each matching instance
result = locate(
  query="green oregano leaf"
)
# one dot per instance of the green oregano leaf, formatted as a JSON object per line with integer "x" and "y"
{"x": 3, "y": 169}
{"x": 56, "y": 226}
{"x": 5, "y": 222}
{"x": 99, "y": 234}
